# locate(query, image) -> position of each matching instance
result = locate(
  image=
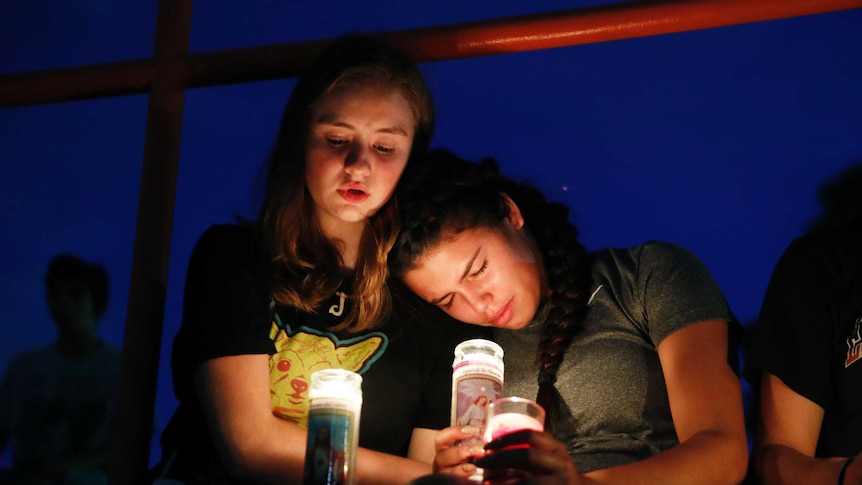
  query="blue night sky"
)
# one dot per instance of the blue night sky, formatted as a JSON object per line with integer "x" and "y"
{"x": 715, "y": 139}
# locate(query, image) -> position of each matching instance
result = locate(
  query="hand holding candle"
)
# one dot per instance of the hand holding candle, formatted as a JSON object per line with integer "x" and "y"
{"x": 510, "y": 414}
{"x": 506, "y": 416}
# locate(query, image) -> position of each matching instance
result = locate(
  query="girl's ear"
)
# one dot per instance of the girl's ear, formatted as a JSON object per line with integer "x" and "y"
{"x": 515, "y": 218}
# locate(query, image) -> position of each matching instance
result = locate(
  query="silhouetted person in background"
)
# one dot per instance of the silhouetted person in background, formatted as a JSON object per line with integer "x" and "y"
{"x": 840, "y": 199}
{"x": 57, "y": 402}
{"x": 805, "y": 360}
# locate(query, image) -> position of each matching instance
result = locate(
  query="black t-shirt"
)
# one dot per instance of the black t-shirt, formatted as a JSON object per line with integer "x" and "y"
{"x": 808, "y": 332}
{"x": 406, "y": 365}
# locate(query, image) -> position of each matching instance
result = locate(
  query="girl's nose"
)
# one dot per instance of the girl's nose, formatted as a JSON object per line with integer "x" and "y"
{"x": 480, "y": 301}
{"x": 357, "y": 162}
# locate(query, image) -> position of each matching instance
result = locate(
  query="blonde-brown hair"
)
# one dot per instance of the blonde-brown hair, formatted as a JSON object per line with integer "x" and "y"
{"x": 306, "y": 267}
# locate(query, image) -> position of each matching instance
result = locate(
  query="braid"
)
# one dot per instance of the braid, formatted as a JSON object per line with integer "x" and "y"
{"x": 446, "y": 192}
{"x": 567, "y": 268}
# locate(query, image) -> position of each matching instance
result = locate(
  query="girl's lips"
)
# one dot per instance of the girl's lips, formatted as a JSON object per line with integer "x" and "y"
{"x": 502, "y": 317}
{"x": 353, "y": 192}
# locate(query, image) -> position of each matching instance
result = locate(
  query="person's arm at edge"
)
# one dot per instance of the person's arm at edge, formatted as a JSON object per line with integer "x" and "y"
{"x": 706, "y": 404}
{"x": 422, "y": 445}
{"x": 256, "y": 445}
{"x": 787, "y": 431}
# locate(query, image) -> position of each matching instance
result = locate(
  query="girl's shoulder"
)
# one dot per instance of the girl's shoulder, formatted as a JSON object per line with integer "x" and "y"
{"x": 228, "y": 235}
{"x": 649, "y": 253}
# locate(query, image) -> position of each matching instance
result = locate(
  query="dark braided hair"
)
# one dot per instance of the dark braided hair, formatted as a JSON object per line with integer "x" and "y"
{"x": 448, "y": 195}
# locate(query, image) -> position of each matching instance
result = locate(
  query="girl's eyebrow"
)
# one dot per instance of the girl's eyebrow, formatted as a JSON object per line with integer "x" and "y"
{"x": 467, "y": 267}
{"x": 394, "y": 130}
{"x": 330, "y": 120}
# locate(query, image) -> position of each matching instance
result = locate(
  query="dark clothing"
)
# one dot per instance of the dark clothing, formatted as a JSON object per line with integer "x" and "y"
{"x": 808, "y": 332}
{"x": 406, "y": 365}
{"x": 57, "y": 409}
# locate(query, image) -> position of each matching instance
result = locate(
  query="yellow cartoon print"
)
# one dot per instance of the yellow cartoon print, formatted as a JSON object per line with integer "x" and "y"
{"x": 299, "y": 354}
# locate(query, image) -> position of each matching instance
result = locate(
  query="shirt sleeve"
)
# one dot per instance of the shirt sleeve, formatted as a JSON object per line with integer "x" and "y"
{"x": 677, "y": 290}
{"x": 792, "y": 337}
{"x": 225, "y": 308}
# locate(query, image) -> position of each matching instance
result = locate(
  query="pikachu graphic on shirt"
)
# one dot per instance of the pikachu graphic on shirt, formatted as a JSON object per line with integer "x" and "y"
{"x": 300, "y": 354}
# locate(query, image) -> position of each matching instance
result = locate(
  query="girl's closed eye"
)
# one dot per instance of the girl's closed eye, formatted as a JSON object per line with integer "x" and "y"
{"x": 481, "y": 270}
{"x": 385, "y": 150}
{"x": 447, "y": 303}
{"x": 336, "y": 142}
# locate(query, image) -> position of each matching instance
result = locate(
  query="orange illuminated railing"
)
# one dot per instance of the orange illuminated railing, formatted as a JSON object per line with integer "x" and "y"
{"x": 456, "y": 41}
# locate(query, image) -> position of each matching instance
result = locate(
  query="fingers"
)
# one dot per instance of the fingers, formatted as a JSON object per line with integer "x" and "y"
{"x": 527, "y": 438}
{"x": 537, "y": 453}
{"x": 511, "y": 458}
{"x": 540, "y": 466}
{"x": 448, "y": 437}
{"x": 457, "y": 458}
{"x": 454, "y": 453}
{"x": 523, "y": 437}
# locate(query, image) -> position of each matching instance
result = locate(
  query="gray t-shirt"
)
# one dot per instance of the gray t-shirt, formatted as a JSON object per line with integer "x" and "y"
{"x": 613, "y": 399}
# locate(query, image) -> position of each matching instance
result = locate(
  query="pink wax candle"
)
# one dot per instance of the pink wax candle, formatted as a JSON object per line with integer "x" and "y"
{"x": 505, "y": 423}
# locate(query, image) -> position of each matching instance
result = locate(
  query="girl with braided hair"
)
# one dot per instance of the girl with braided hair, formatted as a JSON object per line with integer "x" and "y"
{"x": 630, "y": 351}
